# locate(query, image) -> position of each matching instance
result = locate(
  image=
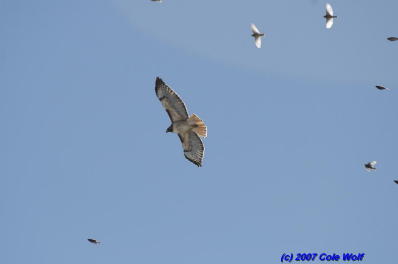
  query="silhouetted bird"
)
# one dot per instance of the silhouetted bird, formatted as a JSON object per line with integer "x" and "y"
{"x": 370, "y": 165}
{"x": 329, "y": 16}
{"x": 392, "y": 38}
{"x": 380, "y": 87}
{"x": 257, "y": 35}
{"x": 94, "y": 241}
{"x": 157, "y": 1}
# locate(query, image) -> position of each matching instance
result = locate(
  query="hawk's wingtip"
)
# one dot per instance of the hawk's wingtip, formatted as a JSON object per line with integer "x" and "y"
{"x": 197, "y": 163}
{"x": 159, "y": 80}
{"x": 159, "y": 83}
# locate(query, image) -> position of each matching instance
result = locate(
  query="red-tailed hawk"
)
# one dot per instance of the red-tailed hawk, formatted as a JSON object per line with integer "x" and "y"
{"x": 188, "y": 128}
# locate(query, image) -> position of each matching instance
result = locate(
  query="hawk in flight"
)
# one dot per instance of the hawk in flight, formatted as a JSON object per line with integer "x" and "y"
{"x": 189, "y": 128}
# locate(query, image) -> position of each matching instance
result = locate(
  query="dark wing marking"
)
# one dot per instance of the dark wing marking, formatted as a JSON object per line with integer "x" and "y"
{"x": 169, "y": 114}
{"x": 173, "y": 104}
{"x": 181, "y": 138}
{"x": 193, "y": 147}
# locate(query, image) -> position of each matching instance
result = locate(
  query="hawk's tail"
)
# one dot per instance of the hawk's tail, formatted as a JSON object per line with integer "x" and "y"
{"x": 199, "y": 126}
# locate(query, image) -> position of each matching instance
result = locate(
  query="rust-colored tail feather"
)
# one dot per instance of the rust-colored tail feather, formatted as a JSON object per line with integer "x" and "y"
{"x": 199, "y": 126}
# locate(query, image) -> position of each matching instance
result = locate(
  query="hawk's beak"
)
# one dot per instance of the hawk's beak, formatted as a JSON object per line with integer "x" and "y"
{"x": 169, "y": 129}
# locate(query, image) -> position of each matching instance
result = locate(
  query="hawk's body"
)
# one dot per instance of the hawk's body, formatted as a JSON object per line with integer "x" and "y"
{"x": 182, "y": 126}
{"x": 188, "y": 128}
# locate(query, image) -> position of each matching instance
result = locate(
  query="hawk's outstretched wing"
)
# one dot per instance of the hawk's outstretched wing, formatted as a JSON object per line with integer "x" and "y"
{"x": 193, "y": 147}
{"x": 173, "y": 104}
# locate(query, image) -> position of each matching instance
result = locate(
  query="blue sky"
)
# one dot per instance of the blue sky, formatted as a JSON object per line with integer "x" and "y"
{"x": 85, "y": 153}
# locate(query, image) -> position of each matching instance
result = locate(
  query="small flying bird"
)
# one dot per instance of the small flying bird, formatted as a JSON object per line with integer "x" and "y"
{"x": 370, "y": 165}
{"x": 392, "y": 38}
{"x": 189, "y": 128}
{"x": 159, "y": 1}
{"x": 396, "y": 181}
{"x": 380, "y": 87}
{"x": 329, "y": 16}
{"x": 94, "y": 241}
{"x": 257, "y": 35}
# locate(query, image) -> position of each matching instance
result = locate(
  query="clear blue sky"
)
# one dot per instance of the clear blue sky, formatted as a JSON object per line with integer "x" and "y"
{"x": 84, "y": 151}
